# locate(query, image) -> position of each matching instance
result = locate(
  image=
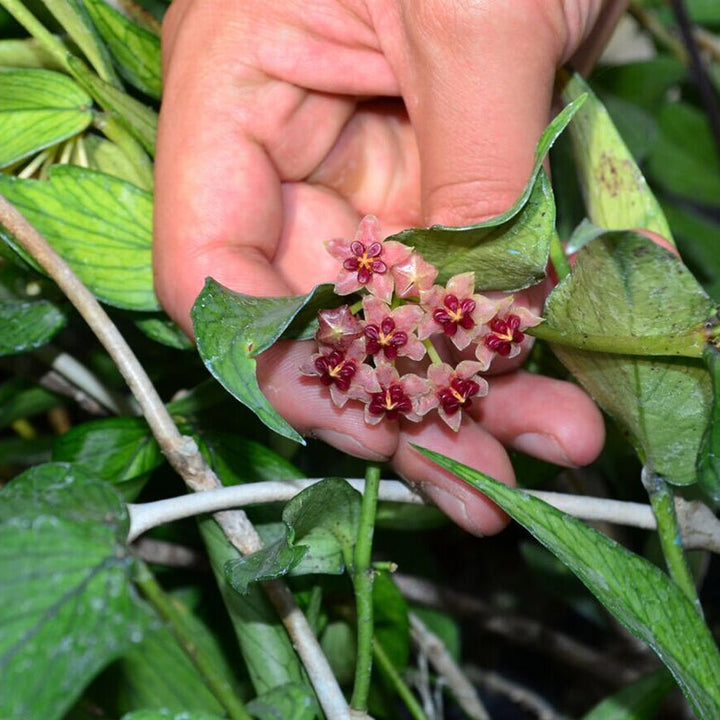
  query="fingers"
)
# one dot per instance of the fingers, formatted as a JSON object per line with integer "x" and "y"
{"x": 472, "y": 446}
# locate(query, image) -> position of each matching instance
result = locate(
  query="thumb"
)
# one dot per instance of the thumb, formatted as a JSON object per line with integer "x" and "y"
{"x": 477, "y": 79}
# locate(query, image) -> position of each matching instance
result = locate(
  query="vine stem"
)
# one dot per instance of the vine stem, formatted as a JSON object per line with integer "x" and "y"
{"x": 171, "y": 613}
{"x": 558, "y": 258}
{"x": 661, "y": 500}
{"x": 404, "y": 692}
{"x": 181, "y": 451}
{"x": 363, "y": 582}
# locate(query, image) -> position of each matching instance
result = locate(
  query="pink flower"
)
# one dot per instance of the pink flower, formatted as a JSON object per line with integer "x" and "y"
{"x": 367, "y": 260}
{"x": 338, "y": 327}
{"x": 391, "y": 333}
{"x": 396, "y": 395}
{"x": 413, "y": 276}
{"x": 455, "y": 310}
{"x": 452, "y": 390}
{"x": 503, "y": 334}
{"x": 343, "y": 371}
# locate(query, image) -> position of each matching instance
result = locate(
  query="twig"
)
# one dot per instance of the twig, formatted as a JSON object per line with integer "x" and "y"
{"x": 519, "y": 694}
{"x": 182, "y": 452}
{"x": 170, "y": 554}
{"x": 517, "y": 629}
{"x": 444, "y": 664}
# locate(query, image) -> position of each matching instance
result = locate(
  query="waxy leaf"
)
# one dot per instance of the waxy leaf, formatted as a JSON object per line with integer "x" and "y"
{"x": 38, "y": 109}
{"x": 232, "y": 329}
{"x": 616, "y": 194}
{"x": 27, "y": 325}
{"x": 119, "y": 450}
{"x": 507, "y": 252}
{"x": 321, "y": 526}
{"x": 135, "y": 49}
{"x": 67, "y": 606}
{"x": 643, "y": 598}
{"x": 289, "y": 702}
{"x": 100, "y": 225}
{"x": 663, "y": 403}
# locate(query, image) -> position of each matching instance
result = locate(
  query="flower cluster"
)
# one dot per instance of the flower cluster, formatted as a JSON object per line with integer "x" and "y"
{"x": 365, "y": 348}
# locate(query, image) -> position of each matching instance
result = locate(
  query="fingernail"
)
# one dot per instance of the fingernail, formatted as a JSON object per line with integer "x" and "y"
{"x": 544, "y": 447}
{"x": 453, "y": 506}
{"x": 347, "y": 444}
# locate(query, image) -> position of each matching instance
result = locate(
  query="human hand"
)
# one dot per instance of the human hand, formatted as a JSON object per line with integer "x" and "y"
{"x": 283, "y": 124}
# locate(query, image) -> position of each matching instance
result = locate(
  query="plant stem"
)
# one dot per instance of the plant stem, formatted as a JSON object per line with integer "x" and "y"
{"x": 181, "y": 451}
{"x": 363, "y": 582}
{"x": 401, "y": 687}
{"x": 690, "y": 344}
{"x": 435, "y": 358}
{"x": 47, "y": 40}
{"x": 663, "y": 505}
{"x": 167, "y": 609}
{"x": 558, "y": 258}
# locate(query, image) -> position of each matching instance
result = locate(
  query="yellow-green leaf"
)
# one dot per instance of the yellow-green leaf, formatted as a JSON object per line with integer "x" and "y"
{"x": 38, "y": 108}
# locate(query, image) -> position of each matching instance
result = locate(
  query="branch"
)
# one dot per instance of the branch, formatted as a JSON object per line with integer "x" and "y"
{"x": 181, "y": 451}
{"x": 439, "y": 657}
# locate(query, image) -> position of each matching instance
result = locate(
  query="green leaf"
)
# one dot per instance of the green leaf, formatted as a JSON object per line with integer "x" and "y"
{"x": 67, "y": 606}
{"x": 135, "y": 49}
{"x": 169, "y": 715}
{"x": 506, "y": 255}
{"x": 139, "y": 119}
{"x": 640, "y": 700}
{"x": 616, "y": 194}
{"x": 663, "y": 403}
{"x": 645, "y": 600}
{"x": 156, "y": 673}
{"x": 73, "y": 16}
{"x": 119, "y": 450}
{"x": 166, "y": 332}
{"x": 339, "y": 644}
{"x": 19, "y": 399}
{"x": 27, "y": 325}
{"x": 268, "y": 653}
{"x": 27, "y": 54}
{"x": 684, "y": 160}
{"x": 708, "y": 458}
{"x": 232, "y": 328}
{"x": 100, "y": 225}
{"x": 321, "y": 525}
{"x": 390, "y": 614}
{"x": 270, "y": 563}
{"x": 510, "y": 251}
{"x": 287, "y": 702}
{"x": 39, "y": 108}
{"x": 108, "y": 157}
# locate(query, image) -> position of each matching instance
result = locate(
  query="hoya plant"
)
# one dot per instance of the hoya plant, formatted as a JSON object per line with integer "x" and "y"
{"x": 170, "y": 547}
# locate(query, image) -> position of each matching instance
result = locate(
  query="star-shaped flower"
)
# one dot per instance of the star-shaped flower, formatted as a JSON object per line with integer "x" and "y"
{"x": 455, "y": 310}
{"x": 391, "y": 333}
{"x": 343, "y": 371}
{"x": 395, "y": 396}
{"x": 452, "y": 390}
{"x": 367, "y": 260}
{"x": 504, "y": 334}
{"x": 413, "y": 276}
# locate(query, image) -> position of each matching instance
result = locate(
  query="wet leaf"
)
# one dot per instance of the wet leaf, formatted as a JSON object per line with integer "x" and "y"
{"x": 100, "y": 225}
{"x": 27, "y": 325}
{"x": 38, "y": 109}
{"x": 617, "y": 196}
{"x": 643, "y": 598}
{"x": 67, "y": 606}
{"x": 662, "y": 403}
{"x": 231, "y": 329}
